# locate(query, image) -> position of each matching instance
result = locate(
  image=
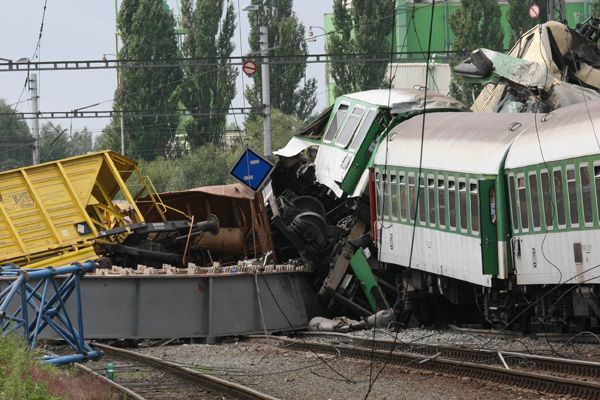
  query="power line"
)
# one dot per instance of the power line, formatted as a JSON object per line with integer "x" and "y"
{"x": 62, "y": 65}
{"x": 138, "y": 113}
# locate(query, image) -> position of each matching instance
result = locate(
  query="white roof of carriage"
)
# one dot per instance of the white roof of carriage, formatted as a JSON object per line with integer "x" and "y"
{"x": 565, "y": 133}
{"x": 404, "y": 100}
{"x": 453, "y": 141}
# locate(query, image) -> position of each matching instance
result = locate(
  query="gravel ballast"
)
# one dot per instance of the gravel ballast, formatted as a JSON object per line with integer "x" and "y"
{"x": 298, "y": 375}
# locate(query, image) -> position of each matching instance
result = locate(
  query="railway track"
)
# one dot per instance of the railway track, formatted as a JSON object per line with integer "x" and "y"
{"x": 581, "y": 338}
{"x": 561, "y": 376}
{"x": 564, "y": 366}
{"x": 147, "y": 377}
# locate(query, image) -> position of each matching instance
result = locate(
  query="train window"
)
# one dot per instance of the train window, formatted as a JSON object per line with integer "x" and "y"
{"x": 431, "y": 199}
{"x": 560, "y": 199}
{"x": 441, "y": 186}
{"x": 474, "y": 194}
{"x": 452, "y": 202}
{"x": 350, "y": 127}
{"x": 402, "y": 184}
{"x": 336, "y": 122}
{"x": 386, "y": 196}
{"x": 522, "y": 202}
{"x": 363, "y": 129}
{"x": 586, "y": 194}
{"x": 535, "y": 202}
{"x": 411, "y": 197}
{"x": 462, "y": 202}
{"x": 394, "y": 196}
{"x": 513, "y": 203}
{"x": 547, "y": 199}
{"x": 572, "y": 190}
{"x": 421, "y": 196}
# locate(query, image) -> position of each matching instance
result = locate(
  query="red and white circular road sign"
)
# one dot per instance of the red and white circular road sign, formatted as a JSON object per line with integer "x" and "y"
{"x": 249, "y": 67}
{"x": 534, "y": 11}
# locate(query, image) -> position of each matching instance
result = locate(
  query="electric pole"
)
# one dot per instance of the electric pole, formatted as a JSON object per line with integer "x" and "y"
{"x": 35, "y": 108}
{"x": 266, "y": 89}
{"x": 121, "y": 114}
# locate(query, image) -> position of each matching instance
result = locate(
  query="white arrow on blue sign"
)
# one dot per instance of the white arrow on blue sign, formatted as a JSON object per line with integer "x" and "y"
{"x": 252, "y": 170}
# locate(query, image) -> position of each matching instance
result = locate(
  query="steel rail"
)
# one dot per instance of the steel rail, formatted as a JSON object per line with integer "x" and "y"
{"x": 127, "y": 393}
{"x": 589, "y": 338}
{"x": 523, "y": 379}
{"x": 210, "y": 382}
{"x": 533, "y": 361}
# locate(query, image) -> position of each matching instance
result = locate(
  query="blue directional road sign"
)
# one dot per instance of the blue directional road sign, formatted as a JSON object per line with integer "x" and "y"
{"x": 252, "y": 170}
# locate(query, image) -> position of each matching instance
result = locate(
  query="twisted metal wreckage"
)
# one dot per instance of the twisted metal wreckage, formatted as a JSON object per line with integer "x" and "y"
{"x": 321, "y": 201}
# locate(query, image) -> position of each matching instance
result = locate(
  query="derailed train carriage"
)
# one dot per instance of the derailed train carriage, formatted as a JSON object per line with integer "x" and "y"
{"x": 504, "y": 209}
{"x": 318, "y": 185}
{"x": 506, "y": 215}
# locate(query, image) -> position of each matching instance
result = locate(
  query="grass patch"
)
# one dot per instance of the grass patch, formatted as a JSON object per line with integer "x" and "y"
{"x": 22, "y": 377}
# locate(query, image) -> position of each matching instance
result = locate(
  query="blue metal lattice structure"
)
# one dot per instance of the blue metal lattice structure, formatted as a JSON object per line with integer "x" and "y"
{"x": 45, "y": 292}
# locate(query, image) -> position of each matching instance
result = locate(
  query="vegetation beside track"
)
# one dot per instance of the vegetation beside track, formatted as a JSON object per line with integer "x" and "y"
{"x": 22, "y": 377}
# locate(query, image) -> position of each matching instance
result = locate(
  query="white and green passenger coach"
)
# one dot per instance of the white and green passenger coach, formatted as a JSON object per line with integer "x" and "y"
{"x": 508, "y": 204}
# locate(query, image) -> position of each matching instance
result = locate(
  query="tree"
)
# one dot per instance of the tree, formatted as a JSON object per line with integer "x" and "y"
{"x": 476, "y": 23}
{"x": 207, "y": 165}
{"x": 286, "y": 37}
{"x": 54, "y": 143}
{"x": 81, "y": 142}
{"x": 363, "y": 27}
{"x": 147, "y": 30}
{"x": 596, "y": 8}
{"x": 16, "y": 142}
{"x": 283, "y": 127}
{"x": 519, "y": 20}
{"x": 208, "y": 89}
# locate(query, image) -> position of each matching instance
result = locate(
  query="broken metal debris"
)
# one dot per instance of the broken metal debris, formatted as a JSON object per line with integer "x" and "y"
{"x": 241, "y": 267}
{"x": 551, "y": 66}
{"x": 152, "y": 244}
{"x": 245, "y": 231}
{"x": 320, "y": 204}
{"x": 381, "y": 319}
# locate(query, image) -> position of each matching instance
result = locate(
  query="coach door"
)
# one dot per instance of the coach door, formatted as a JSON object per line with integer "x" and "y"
{"x": 489, "y": 236}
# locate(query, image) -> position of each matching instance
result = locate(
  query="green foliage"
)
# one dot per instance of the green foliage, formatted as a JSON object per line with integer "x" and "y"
{"x": 476, "y": 23}
{"x": 363, "y": 28}
{"x": 81, "y": 142}
{"x": 56, "y": 143}
{"x": 283, "y": 127}
{"x": 16, "y": 364}
{"x": 518, "y": 17}
{"x": 206, "y": 165}
{"x": 16, "y": 142}
{"x": 286, "y": 36}
{"x": 208, "y": 89}
{"x": 147, "y": 30}
{"x": 596, "y": 8}
{"x": 210, "y": 164}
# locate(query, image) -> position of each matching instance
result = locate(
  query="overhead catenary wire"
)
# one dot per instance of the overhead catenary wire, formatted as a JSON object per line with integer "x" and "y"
{"x": 321, "y": 58}
{"x": 417, "y": 179}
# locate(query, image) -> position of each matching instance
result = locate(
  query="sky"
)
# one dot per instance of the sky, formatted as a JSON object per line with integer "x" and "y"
{"x": 85, "y": 30}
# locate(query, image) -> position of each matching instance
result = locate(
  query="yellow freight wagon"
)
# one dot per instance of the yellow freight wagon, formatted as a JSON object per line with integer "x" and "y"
{"x": 51, "y": 213}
